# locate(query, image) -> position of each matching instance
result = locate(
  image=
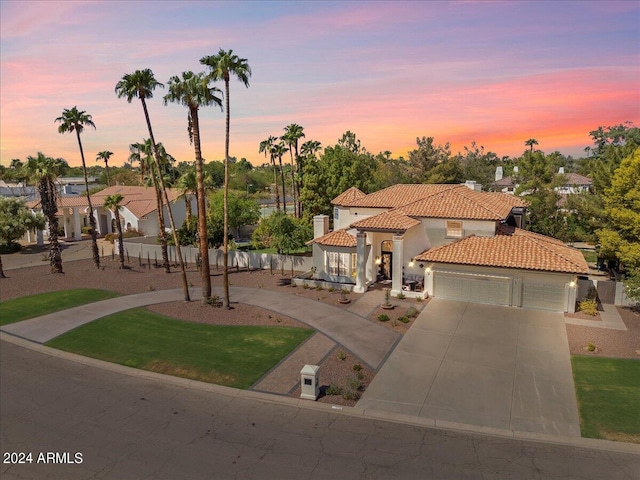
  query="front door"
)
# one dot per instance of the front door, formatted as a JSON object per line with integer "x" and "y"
{"x": 386, "y": 260}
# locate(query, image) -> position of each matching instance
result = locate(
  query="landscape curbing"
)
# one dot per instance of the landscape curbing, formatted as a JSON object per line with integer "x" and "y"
{"x": 371, "y": 414}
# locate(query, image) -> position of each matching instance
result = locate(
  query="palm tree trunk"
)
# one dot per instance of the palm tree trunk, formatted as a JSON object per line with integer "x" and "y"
{"x": 161, "y": 230}
{"x": 298, "y": 182}
{"x": 92, "y": 219}
{"x": 120, "y": 237}
{"x": 293, "y": 186}
{"x": 185, "y": 284}
{"x": 2, "y": 275}
{"x": 284, "y": 190}
{"x": 275, "y": 182}
{"x": 106, "y": 165}
{"x": 226, "y": 301}
{"x": 202, "y": 209}
{"x": 50, "y": 209}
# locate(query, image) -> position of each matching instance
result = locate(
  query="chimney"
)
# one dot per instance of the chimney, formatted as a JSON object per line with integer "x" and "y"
{"x": 515, "y": 170}
{"x": 472, "y": 185}
{"x": 561, "y": 171}
{"x": 320, "y": 225}
{"x": 498, "y": 173}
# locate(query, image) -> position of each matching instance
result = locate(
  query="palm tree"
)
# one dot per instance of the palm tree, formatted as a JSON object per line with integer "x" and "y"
{"x": 222, "y": 66}
{"x": 278, "y": 150}
{"x": 141, "y": 84}
{"x": 105, "y": 155}
{"x": 75, "y": 120}
{"x": 187, "y": 184}
{"x": 194, "y": 91}
{"x": 44, "y": 171}
{"x": 266, "y": 146}
{"x": 531, "y": 142}
{"x": 142, "y": 153}
{"x": 293, "y": 133}
{"x": 310, "y": 148}
{"x": 112, "y": 202}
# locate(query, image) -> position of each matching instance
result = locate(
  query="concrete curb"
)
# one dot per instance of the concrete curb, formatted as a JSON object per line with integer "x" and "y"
{"x": 370, "y": 414}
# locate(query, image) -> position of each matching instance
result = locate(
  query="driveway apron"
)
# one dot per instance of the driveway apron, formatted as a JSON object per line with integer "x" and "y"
{"x": 486, "y": 365}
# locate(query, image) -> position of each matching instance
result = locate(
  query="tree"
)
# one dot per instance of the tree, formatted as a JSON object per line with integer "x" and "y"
{"x": 16, "y": 220}
{"x": 267, "y": 146}
{"x": 243, "y": 210}
{"x": 113, "y": 203}
{"x": 426, "y": 157}
{"x": 187, "y": 184}
{"x": 141, "y": 84}
{"x": 222, "y": 67}
{"x": 75, "y": 120}
{"x": 293, "y": 133}
{"x": 530, "y": 143}
{"x": 44, "y": 171}
{"x": 193, "y": 91}
{"x": 142, "y": 153}
{"x": 282, "y": 232}
{"x": 278, "y": 150}
{"x": 105, "y": 155}
{"x": 621, "y": 238}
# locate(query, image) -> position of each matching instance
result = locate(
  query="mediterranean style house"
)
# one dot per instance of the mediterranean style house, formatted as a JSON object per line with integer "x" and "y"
{"x": 138, "y": 212}
{"x": 446, "y": 241}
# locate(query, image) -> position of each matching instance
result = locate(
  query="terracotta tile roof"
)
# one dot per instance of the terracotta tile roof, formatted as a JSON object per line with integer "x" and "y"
{"x": 399, "y": 195}
{"x": 510, "y": 248}
{"x": 337, "y": 238}
{"x": 577, "y": 179}
{"x": 393, "y": 220}
{"x": 346, "y": 198}
{"x": 141, "y": 201}
{"x": 462, "y": 202}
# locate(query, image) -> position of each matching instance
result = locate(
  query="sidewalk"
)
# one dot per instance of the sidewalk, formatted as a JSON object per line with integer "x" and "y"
{"x": 609, "y": 318}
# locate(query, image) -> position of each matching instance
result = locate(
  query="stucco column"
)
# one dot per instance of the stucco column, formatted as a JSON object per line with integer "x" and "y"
{"x": 65, "y": 222}
{"x": 361, "y": 263}
{"x": 571, "y": 291}
{"x": 428, "y": 281}
{"x": 77, "y": 229}
{"x": 40, "y": 237}
{"x": 398, "y": 263}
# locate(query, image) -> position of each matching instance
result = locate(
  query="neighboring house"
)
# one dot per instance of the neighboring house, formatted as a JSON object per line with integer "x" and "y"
{"x": 574, "y": 183}
{"x": 138, "y": 212}
{"x": 447, "y": 241}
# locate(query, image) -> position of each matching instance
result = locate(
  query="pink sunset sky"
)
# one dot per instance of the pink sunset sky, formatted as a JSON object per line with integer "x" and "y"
{"x": 493, "y": 72}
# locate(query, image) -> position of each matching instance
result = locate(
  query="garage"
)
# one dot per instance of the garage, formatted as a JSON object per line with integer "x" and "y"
{"x": 543, "y": 296}
{"x": 469, "y": 287}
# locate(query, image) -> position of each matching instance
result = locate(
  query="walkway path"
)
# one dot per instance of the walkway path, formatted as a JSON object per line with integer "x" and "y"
{"x": 366, "y": 340}
{"x": 609, "y": 318}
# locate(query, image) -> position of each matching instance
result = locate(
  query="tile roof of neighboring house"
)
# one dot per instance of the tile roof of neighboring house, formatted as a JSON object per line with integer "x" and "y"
{"x": 577, "y": 179}
{"x": 140, "y": 201}
{"x": 399, "y": 195}
{"x": 393, "y": 220}
{"x": 346, "y": 198}
{"x": 510, "y": 248}
{"x": 462, "y": 202}
{"x": 504, "y": 182}
{"x": 337, "y": 238}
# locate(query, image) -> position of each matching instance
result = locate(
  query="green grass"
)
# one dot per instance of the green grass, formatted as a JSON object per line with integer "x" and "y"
{"x": 18, "y": 309}
{"x": 590, "y": 256}
{"x": 236, "y": 356}
{"x": 608, "y": 393}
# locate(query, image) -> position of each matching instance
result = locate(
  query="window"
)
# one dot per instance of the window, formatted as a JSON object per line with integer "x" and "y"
{"x": 341, "y": 264}
{"x": 454, "y": 229}
{"x": 336, "y": 213}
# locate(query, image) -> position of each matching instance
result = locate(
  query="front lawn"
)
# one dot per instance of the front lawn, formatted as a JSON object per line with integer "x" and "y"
{"x": 235, "y": 356}
{"x": 608, "y": 393}
{"x": 22, "y": 308}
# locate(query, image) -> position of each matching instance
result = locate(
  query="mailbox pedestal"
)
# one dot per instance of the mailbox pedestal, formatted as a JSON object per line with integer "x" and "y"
{"x": 310, "y": 389}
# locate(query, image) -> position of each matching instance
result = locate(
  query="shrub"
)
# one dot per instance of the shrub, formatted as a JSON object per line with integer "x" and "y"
{"x": 333, "y": 389}
{"x": 342, "y": 356}
{"x": 589, "y": 306}
{"x": 412, "y": 312}
{"x": 404, "y": 319}
{"x": 383, "y": 317}
{"x": 591, "y": 347}
{"x": 332, "y": 289}
{"x": 401, "y": 296}
{"x": 318, "y": 287}
{"x": 419, "y": 299}
{"x": 86, "y": 230}
{"x": 357, "y": 367}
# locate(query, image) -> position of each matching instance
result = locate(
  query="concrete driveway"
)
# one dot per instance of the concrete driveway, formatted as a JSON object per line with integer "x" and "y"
{"x": 498, "y": 367}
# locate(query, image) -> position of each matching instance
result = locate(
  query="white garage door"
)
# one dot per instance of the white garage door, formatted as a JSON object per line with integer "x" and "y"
{"x": 472, "y": 288}
{"x": 543, "y": 296}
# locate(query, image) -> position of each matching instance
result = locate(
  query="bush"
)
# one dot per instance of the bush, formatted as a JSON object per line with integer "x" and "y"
{"x": 404, "y": 319}
{"x": 589, "y": 306}
{"x": 401, "y": 296}
{"x": 333, "y": 389}
{"x": 86, "y": 230}
{"x": 412, "y": 312}
{"x": 357, "y": 367}
{"x": 12, "y": 247}
{"x": 383, "y": 317}
{"x": 342, "y": 356}
{"x": 111, "y": 237}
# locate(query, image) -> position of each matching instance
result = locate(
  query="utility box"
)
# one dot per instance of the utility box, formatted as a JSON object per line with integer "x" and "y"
{"x": 310, "y": 389}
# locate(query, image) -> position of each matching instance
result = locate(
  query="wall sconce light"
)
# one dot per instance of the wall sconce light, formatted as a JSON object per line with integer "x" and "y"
{"x": 428, "y": 270}
{"x": 378, "y": 260}
{"x": 411, "y": 263}
{"x": 572, "y": 284}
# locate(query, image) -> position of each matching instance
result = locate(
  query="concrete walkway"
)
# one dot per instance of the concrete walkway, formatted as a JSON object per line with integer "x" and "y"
{"x": 365, "y": 339}
{"x": 485, "y": 365}
{"x": 609, "y": 318}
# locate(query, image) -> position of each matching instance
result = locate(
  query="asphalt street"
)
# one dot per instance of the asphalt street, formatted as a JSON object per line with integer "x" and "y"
{"x": 128, "y": 426}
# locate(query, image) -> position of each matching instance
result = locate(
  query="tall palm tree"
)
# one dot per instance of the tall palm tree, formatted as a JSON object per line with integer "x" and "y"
{"x": 266, "y": 146}
{"x": 75, "y": 120}
{"x": 278, "y": 151}
{"x": 293, "y": 133}
{"x": 222, "y": 66}
{"x": 105, "y": 155}
{"x": 112, "y": 202}
{"x": 141, "y": 84}
{"x": 531, "y": 142}
{"x": 142, "y": 153}
{"x": 188, "y": 185}
{"x": 193, "y": 91}
{"x": 44, "y": 171}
